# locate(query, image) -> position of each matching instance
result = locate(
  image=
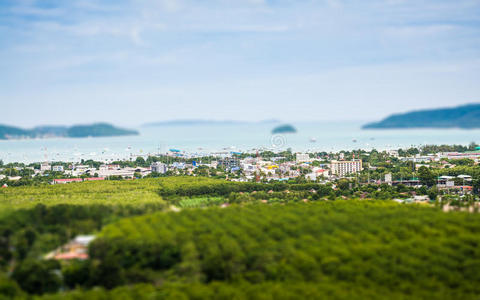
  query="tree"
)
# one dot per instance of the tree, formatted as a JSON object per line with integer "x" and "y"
{"x": 9, "y": 289}
{"x": 433, "y": 193}
{"x": 426, "y": 176}
{"x": 77, "y": 273}
{"x": 476, "y": 186}
{"x": 140, "y": 161}
{"x": 37, "y": 277}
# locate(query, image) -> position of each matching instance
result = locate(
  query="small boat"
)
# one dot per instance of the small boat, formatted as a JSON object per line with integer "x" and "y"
{"x": 313, "y": 140}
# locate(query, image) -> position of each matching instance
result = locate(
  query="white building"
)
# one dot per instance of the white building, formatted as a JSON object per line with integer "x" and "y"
{"x": 45, "y": 167}
{"x": 302, "y": 157}
{"x": 388, "y": 178}
{"x": 456, "y": 155}
{"x": 57, "y": 168}
{"x": 158, "y": 167}
{"x": 342, "y": 168}
{"x": 393, "y": 153}
{"x": 317, "y": 173}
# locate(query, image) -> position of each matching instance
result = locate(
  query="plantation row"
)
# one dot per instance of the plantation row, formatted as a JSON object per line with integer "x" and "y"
{"x": 196, "y": 186}
{"x": 408, "y": 250}
{"x": 291, "y": 250}
{"x": 248, "y": 291}
{"x": 31, "y": 233}
{"x": 131, "y": 192}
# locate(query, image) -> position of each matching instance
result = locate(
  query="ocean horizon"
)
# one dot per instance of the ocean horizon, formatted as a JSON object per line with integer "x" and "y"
{"x": 238, "y": 137}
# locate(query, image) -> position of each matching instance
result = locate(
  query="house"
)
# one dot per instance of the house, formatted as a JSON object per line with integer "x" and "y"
{"x": 93, "y": 178}
{"x": 302, "y": 157}
{"x": 57, "y": 168}
{"x": 66, "y": 180}
{"x": 45, "y": 167}
{"x": 75, "y": 249}
{"x": 420, "y": 198}
{"x": 229, "y": 163}
{"x": 158, "y": 167}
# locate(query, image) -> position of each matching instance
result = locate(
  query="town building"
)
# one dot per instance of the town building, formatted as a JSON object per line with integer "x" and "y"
{"x": 457, "y": 155}
{"x": 302, "y": 157}
{"x": 158, "y": 167}
{"x": 418, "y": 159}
{"x": 66, "y": 180}
{"x": 388, "y": 178}
{"x": 342, "y": 168}
{"x": 57, "y": 168}
{"x": 393, "y": 153}
{"x": 229, "y": 163}
{"x": 45, "y": 167}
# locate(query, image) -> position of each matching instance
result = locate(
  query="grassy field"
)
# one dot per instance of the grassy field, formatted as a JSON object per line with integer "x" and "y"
{"x": 131, "y": 192}
{"x": 183, "y": 191}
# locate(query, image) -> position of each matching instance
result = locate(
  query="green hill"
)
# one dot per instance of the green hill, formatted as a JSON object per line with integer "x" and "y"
{"x": 7, "y": 132}
{"x": 286, "y": 128}
{"x": 93, "y": 130}
{"x": 466, "y": 116}
{"x": 98, "y": 130}
{"x": 280, "y": 249}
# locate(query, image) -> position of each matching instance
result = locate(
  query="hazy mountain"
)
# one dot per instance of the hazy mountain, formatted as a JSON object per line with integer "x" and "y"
{"x": 93, "y": 130}
{"x": 466, "y": 116}
{"x": 199, "y": 122}
{"x": 10, "y": 131}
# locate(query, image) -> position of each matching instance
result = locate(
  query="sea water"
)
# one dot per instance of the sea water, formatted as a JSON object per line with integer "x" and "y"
{"x": 208, "y": 138}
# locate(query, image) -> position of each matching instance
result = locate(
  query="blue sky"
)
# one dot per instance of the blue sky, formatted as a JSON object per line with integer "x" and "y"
{"x": 136, "y": 61}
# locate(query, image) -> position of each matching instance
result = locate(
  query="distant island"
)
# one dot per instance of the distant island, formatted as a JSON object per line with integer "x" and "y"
{"x": 465, "y": 116}
{"x": 200, "y": 122}
{"x": 76, "y": 131}
{"x": 286, "y": 128}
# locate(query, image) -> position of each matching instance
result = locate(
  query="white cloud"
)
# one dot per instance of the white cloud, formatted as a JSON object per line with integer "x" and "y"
{"x": 326, "y": 55}
{"x": 420, "y": 30}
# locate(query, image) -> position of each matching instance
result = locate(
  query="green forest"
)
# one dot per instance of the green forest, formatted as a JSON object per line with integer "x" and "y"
{"x": 203, "y": 238}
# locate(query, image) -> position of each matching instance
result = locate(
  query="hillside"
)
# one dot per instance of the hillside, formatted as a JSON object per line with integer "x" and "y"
{"x": 466, "y": 116}
{"x": 286, "y": 128}
{"x": 7, "y": 132}
{"x": 264, "y": 245}
{"x": 98, "y": 130}
{"x": 93, "y": 130}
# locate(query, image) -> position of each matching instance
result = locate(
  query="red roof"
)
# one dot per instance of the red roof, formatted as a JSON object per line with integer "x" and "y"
{"x": 68, "y": 180}
{"x": 71, "y": 256}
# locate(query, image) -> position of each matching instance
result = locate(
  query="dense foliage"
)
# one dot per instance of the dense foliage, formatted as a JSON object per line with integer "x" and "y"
{"x": 287, "y": 243}
{"x": 184, "y": 186}
{"x": 408, "y": 250}
{"x": 239, "y": 291}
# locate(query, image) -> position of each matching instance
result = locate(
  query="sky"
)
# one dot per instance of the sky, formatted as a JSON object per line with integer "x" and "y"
{"x": 130, "y": 62}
